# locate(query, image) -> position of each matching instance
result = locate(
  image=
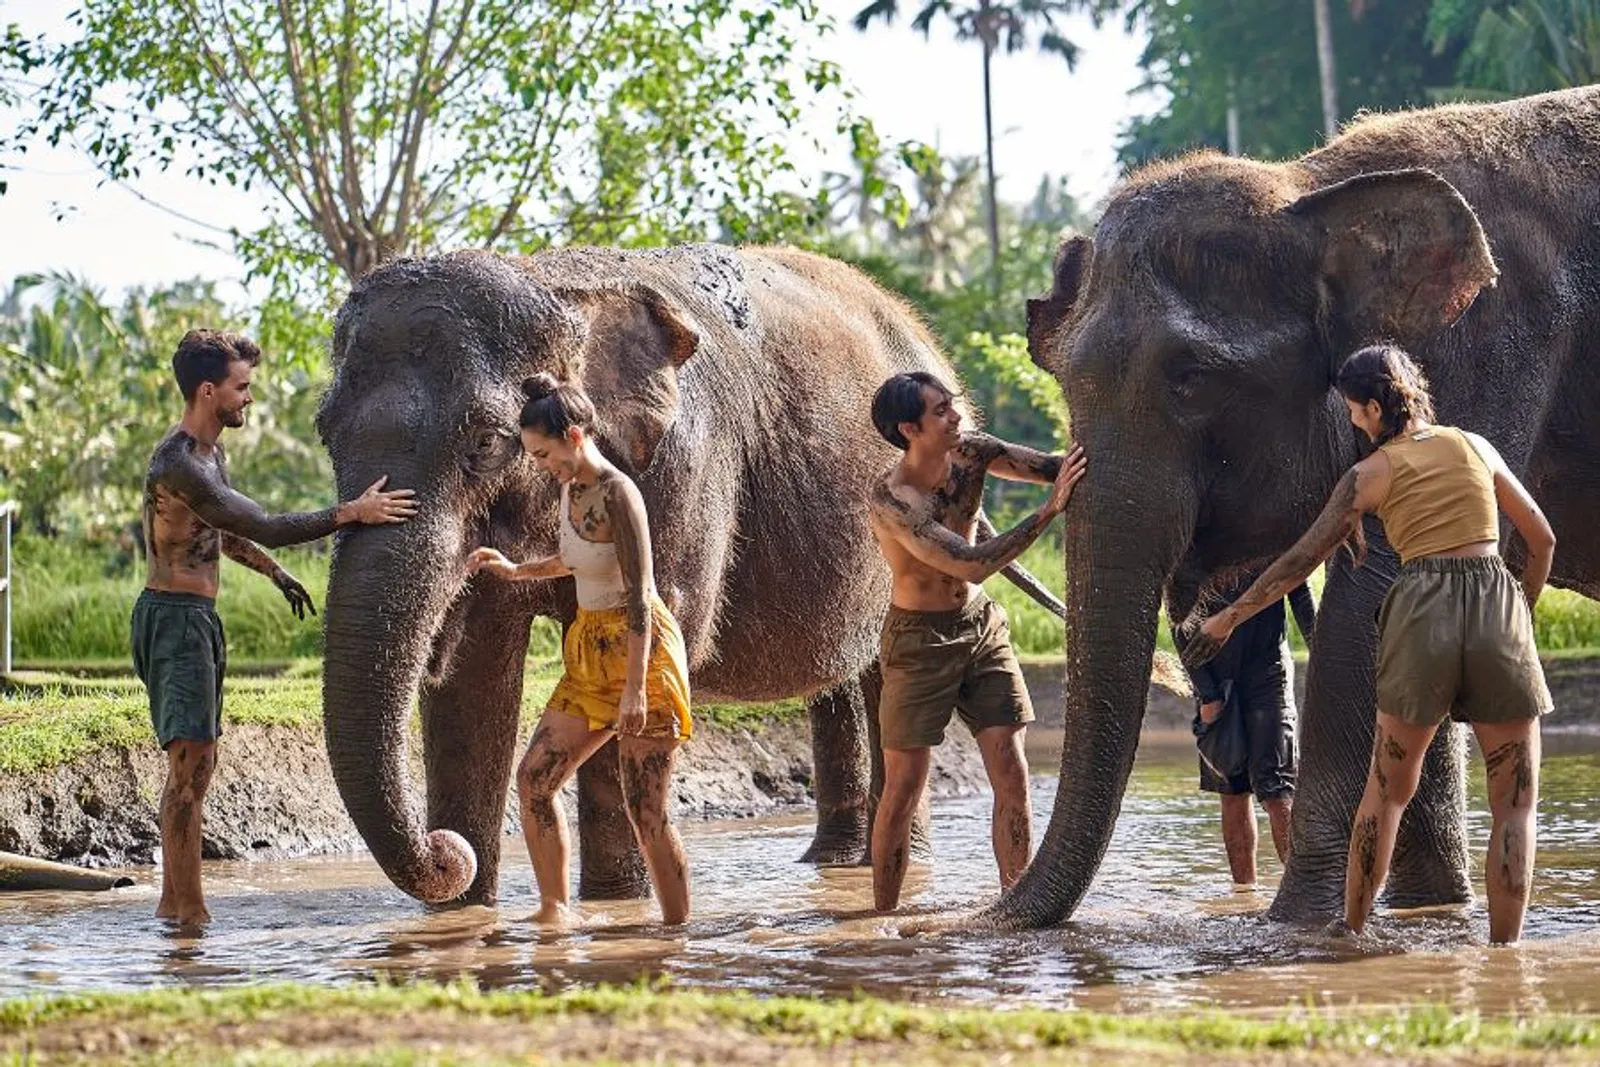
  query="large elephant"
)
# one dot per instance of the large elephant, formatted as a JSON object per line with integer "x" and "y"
{"x": 734, "y": 387}
{"x": 1197, "y": 335}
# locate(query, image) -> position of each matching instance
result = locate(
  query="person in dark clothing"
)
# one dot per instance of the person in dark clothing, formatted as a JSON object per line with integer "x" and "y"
{"x": 1245, "y": 727}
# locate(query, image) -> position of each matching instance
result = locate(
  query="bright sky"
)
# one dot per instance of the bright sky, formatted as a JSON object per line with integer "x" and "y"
{"x": 57, "y": 215}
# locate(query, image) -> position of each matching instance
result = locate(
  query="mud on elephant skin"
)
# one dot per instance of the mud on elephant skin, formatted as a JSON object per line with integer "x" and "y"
{"x": 1196, "y": 335}
{"x": 734, "y": 386}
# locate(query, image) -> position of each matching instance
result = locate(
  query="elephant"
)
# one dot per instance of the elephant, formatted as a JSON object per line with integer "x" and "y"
{"x": 1197, "y": 333}
{"x": 734, "y": 387}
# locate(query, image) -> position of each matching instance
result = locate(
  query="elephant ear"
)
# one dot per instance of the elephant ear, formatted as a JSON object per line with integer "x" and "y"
{"x": 1403, "y": 256}
{"x": 636, "y": 342}
{"x": 1046, "y": 314}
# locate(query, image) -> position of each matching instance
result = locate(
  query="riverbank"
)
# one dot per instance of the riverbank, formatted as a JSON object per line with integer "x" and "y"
{"x": 456, "y": 1024}
{"x": 80, "y": 774}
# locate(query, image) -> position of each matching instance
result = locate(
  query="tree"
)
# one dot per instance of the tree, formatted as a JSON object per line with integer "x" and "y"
{"x": 994, "y": 25}
{"x": 1514, "y": 49}
{"x": 383, "y": 127}
{"x": 1262, "y": 56}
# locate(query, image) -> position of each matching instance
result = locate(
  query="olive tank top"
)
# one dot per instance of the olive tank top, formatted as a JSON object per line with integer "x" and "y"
{"x": 1441, "y": 494}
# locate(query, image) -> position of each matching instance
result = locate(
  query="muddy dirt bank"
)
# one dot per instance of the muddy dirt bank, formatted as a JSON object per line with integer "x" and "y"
{"x": 274, "y": 797}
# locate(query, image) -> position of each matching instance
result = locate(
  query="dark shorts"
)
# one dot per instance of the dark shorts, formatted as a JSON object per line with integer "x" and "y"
{"x": 1251, "y": 747}
{"x": 1456, "y": 638}
{"x": 180, "y": 654}
{"x": 939, "y": 662}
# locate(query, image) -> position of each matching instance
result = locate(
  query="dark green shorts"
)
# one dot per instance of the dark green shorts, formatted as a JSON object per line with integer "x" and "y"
{"x": 1456, "y": 639}
{"x": 180, "y": 654}
{"x": 936, "y": 663}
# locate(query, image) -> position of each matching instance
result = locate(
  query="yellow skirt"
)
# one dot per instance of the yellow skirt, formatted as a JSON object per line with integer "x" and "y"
{"x": 595, "y": 658}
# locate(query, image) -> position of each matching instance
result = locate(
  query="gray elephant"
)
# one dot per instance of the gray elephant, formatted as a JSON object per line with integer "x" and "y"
{"x": 734, "y": 387}
{"x": 1197, "y": 335}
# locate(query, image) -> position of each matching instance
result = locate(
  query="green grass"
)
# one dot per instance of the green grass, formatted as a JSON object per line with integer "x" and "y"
{"x": 72, "y": 603}
{"x": 207, "y": 1025}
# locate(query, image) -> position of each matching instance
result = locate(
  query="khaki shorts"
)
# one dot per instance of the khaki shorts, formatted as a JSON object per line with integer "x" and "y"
{"x": 1456, "y": 638}
{"x": 936, "y": 662}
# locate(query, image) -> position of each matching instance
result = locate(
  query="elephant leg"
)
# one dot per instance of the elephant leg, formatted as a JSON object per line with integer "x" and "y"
{"x": 840, "y": 771}
{"x": 921, "y": 838}
{"x": 1336, "y": 731}
{"x": 611, "y": 867}
{"x": 469, "y": 723}
{"x": 1430, "y": 851}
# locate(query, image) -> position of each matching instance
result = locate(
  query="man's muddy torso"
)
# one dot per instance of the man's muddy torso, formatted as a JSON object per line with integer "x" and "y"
{"x": 954, "y": 505}
{"x": 182, "y": 551}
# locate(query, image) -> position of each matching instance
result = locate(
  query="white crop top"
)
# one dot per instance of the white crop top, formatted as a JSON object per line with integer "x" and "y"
{"x": 593, "y": 564}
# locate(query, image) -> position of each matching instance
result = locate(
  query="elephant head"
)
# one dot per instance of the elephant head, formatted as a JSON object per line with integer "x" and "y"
{"x": 1196, "y": 336}
{"x": 429, "y": 356}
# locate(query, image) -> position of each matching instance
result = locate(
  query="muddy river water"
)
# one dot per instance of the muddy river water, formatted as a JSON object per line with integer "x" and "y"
{"x": 1161, "y": 928}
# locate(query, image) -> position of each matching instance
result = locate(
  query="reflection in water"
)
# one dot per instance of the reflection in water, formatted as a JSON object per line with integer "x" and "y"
{"x": 1160, "y": 929}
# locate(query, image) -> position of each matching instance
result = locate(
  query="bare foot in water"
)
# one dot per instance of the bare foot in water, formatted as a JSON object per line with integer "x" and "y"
{"x": 553, "y": 913}
{"x": 1339, "y": 930}
{"x": 183, "y": 917}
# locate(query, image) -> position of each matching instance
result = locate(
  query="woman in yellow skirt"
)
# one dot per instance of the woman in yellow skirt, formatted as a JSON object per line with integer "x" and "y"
{"x": 625, "y": 668}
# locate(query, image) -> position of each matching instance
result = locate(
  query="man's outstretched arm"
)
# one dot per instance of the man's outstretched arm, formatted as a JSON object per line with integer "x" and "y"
{"x": 941, "y": 548}
{"x": 1015, "y": 463}
{"x": 224, "y": 508}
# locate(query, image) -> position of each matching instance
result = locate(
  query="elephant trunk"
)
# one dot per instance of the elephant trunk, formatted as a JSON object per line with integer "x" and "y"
{"x": 1116, "y": 569}
{"x": 387, "y": 594}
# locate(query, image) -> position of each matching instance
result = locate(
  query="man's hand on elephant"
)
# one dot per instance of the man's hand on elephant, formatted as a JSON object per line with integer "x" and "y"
{"x": 1210, "y": 711}
{"x": 378, "y": 506}
{"x": 295, "y": 593}
{"x": 492, "y": 561}
{"x": 1206, "y": 640}
{"x": 1072, "y": 469}
{"x": 631, "y": 715}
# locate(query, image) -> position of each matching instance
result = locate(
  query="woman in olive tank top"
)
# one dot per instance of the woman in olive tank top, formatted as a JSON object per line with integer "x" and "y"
{"x": 1456, "y": 629}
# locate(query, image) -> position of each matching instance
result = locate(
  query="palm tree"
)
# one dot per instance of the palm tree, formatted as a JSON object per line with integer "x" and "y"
{"x": 995, "y": 25}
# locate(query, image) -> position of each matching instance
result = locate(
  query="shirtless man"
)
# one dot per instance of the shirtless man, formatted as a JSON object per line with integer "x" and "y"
{"x": 191, "y": 516}
{"x": 945, "y": 644}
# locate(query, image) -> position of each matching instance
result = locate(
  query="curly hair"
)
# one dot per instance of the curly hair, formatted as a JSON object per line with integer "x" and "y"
{"x": 207, "y": 356}
{"x": 1386, "y": 374}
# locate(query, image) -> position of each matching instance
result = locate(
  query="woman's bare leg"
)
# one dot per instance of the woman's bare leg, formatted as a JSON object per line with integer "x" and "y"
{"x": 646, "y": 784}
{"x": 1397, "y": 751}
{"x": 558, "y": 748}
{"x": 1511, "y": 753}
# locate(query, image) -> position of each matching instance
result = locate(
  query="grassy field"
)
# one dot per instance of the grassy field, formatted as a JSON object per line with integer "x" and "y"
{"x": 72, "y": 604}
{"x": 458, "y": 1024}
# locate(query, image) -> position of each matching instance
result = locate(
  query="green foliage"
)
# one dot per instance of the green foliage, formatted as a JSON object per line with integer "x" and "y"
{"x": 1514, "y": 49}
{"x": 378, "y": 128}
{"x": 1261, "y": 55}
{"x": 86, "y": 392}
{"x": 73, "y": 599}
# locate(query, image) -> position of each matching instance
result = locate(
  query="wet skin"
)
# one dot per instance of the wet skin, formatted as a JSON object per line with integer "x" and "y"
{"x": 192, "y": 517}
{"x": 924, "y": 512}
{"x": 605, "y": 506}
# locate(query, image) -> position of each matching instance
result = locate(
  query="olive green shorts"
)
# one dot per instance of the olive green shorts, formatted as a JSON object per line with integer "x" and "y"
{"x": 180, "y": 654}
{"x": 938, "y": 662}
{"x": 1456, "y": 638}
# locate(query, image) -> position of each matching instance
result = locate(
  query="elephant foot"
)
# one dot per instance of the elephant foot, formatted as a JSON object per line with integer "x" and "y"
{"x": 840, "y": 840}
{"x": 1307, "y": 909}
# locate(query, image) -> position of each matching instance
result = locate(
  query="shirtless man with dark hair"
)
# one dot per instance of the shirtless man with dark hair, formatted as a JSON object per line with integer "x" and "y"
{"x": 945, "y": 645}
{"x": 192, "y": 517}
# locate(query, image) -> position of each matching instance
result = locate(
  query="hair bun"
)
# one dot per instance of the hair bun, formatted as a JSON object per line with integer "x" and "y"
{"x": 539, "y": 386}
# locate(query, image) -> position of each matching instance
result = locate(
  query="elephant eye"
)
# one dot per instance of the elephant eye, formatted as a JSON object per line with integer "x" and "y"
{"x": 1187, "y": 379}
{"x": 487, "y": 440}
